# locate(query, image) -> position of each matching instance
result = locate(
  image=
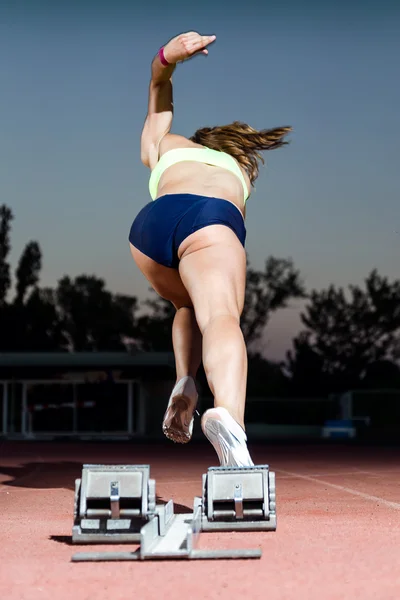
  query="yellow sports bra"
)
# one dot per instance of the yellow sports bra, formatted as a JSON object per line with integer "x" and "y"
{"x": 202, "y": 155}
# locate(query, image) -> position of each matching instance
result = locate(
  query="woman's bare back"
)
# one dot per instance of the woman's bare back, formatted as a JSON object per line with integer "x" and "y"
{"x": 198, "y": 178}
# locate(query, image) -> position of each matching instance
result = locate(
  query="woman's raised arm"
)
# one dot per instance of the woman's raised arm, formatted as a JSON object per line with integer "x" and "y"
{"x": 160, "y": 107}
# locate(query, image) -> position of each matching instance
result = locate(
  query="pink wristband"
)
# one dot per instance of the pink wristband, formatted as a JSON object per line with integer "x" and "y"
{"x": 163, "y": 60}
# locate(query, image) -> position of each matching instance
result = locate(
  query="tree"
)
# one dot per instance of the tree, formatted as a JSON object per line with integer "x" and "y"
{"x": 43, "y": 330}
{"x": 153, "y": 330}
{"x": 28, "y": 271}
{"x": 382, "y": 374}
{"x": 305, "y": 367}
{"x": 266, "y": 292}
{"x": 345, "y": 333}
{"x": 93, "y": 318}
{"x": 29, "y": 321}
{"x": 266, "y": 378}
{"x": 6, "y": 217}
{"x": 79, "y": 315}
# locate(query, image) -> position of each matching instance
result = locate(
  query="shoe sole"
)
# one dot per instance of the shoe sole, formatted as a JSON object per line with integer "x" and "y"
{"x": 173, "y": 431}
{"x": 223, "y": 442}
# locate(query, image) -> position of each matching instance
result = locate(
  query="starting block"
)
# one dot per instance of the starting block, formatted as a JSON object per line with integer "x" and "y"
{"x": 239, "y": 498}
{"x": 117, "y": 504}
{"x": 112, "y": 503}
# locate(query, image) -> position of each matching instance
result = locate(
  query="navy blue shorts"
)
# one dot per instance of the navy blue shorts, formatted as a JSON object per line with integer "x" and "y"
{"x": 162, "y": 225}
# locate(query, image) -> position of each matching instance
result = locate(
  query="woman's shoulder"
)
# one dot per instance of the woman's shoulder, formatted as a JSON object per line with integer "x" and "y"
{"x": 171, "y": 141}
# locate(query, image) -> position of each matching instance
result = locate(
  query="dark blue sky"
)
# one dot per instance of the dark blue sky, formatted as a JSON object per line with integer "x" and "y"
{"x": 74, "y": 79}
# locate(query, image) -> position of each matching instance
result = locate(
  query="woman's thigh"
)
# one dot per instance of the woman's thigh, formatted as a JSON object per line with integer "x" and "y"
{"x": 213, "y": 270}
{"x": 165, "y": 281}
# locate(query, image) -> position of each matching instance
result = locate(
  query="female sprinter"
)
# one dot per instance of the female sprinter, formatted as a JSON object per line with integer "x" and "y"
{"x": 189, "y": 244}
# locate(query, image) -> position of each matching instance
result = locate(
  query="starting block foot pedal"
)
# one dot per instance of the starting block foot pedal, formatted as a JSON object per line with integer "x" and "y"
{"x": 112, "y": 503}
{"x": 238, "y": 498}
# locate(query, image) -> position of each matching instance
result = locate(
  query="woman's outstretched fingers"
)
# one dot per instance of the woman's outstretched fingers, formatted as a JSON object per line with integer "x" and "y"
{"x": 194, "y": 42}
{"x": 207, "y": 39}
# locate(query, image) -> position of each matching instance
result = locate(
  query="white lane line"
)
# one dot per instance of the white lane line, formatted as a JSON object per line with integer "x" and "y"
{"x": 336, "y": 474}
{"x": 380, "y": 472}
{"x": 388, "y": 503}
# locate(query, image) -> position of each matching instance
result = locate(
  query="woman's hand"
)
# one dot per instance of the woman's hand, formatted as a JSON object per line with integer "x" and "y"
{"x": 186, "y": 45}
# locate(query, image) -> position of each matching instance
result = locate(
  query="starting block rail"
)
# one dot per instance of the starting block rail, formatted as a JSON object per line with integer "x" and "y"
{"x": 116, "y": 504}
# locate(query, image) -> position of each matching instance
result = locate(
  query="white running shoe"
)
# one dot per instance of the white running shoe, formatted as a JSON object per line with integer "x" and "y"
{"x": 178, "y": 419}
{"x": 227, "y": 437}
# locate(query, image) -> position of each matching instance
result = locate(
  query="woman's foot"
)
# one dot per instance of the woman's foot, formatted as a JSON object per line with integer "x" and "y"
{"x": 178, "y": 418}
{"x": 227, "y": 437}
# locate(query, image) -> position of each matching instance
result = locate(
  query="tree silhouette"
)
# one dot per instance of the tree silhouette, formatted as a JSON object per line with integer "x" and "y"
{"x": 153, "y": 330}
{"x": 44, "y": 330}
{"x": 305, "y": 367}
{"x": 6, "y": 217}
{"x": 28, "y": 270}
{"x": 78, "y": 315}
{"x": 93, "y": 318}
{"x": 28, "y": 321}
{"x": 382, "y": 374}
{"x": 347, "y": 332}
{"x": 266, "y": 292}
{"x": 266, "y": 378}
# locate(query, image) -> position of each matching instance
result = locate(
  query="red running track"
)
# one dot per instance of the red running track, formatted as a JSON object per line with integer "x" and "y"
{"x": 338, "y": 534}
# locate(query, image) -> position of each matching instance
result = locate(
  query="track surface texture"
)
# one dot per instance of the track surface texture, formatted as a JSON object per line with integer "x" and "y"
{"x": 338, "y": 534}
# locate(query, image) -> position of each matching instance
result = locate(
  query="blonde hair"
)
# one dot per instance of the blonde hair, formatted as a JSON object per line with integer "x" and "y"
{"x": 242, "y": 142}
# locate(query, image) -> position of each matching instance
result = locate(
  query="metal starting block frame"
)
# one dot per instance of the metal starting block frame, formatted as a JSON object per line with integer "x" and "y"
{"x": 234, "y": 499}
{"x": 239, "y": 499}
{"x": 112, "y": 503}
